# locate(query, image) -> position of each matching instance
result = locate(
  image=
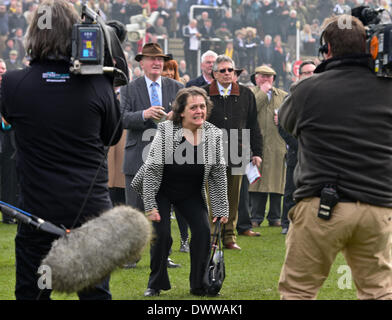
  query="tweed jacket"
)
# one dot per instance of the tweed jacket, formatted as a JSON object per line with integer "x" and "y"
{"x": 273, "y": 167}
{"x": 148, "y": 179}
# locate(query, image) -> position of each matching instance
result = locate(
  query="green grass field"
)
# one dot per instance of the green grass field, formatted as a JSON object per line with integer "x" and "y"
{"x": 251, "y": 274}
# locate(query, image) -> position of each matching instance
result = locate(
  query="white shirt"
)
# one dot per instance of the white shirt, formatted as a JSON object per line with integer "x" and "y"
{"x": 222, "y": 89}
{"x": 193, "y": 40}
{"x": 208, "y": 81}
{"x": 269, "y": 94}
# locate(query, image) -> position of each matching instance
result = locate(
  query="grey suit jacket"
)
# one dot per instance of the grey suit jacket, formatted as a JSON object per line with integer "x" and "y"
{"x": 134, "y": 100}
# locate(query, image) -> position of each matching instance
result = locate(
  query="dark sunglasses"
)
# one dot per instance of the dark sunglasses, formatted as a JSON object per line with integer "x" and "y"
{"x": 227, "y": 69}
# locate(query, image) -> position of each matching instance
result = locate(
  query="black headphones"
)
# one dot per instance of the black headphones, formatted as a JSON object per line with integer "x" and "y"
{"x": 323, "y": 46}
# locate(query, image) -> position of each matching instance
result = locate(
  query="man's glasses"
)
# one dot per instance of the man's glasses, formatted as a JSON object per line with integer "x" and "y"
{"x": 227, "y": 69}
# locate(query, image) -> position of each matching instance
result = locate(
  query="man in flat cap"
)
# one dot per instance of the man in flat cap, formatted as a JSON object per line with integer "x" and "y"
{"x": 273, "y": 171}
{"x": 12, "y": 62}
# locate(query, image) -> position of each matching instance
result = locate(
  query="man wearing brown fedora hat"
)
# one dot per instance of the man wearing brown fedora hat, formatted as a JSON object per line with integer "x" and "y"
{"x": 146, "y": 100}
{"x": 268, "y": 100}
{"x": 152, "y": 50}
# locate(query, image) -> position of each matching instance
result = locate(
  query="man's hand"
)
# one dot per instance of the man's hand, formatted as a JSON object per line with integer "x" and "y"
{"x": 276, "y": 120}
{"x": 153, "y": 215}
{"x": 170, "y": 115}
{"x": 154, "y": 112}
{"x": 266, "y": 86}
{"x": 256, "y": 161}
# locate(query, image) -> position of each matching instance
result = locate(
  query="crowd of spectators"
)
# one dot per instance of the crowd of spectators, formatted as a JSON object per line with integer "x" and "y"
{"x": 252, "y": 32}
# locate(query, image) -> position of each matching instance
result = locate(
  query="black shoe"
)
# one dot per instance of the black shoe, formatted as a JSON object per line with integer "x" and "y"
{"x": 171, "y": 264}
{"x": 150, "y": 292}
{"x": 184, "y": 247}
{"x": 284, "y": 230}
{"x": 198, "y": 292}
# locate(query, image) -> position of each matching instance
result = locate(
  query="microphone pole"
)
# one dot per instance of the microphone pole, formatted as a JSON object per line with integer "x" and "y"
{"x": 29, "y": 219}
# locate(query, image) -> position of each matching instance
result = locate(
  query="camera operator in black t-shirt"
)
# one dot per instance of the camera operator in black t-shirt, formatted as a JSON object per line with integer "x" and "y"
{"x": 62, "y": 122}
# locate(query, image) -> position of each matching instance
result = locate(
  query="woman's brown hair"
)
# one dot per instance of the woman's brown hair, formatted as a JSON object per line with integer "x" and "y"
{"x": 182, "y": 99}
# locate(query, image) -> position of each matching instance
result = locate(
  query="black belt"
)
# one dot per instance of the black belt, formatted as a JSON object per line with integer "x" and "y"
{"x": 345, "y": 199}
{"x": 341, "y": 199}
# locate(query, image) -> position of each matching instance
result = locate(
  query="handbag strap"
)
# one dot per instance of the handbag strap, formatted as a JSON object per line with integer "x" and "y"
{"x": 217, "y": 237}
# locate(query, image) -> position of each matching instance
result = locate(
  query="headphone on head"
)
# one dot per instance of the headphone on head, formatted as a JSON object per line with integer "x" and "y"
{"x": 323, "y": 45}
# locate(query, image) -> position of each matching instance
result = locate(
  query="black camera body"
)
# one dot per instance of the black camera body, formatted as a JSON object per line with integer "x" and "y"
{"x": 380, "y": 47}
{"x": 96, "y": 48}
{"x": 88, "y": 48}
{"x": 379, "y": 38}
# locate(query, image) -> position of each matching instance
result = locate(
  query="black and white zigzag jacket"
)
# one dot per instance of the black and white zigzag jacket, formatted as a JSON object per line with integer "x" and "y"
{"x": 148, "y": 179}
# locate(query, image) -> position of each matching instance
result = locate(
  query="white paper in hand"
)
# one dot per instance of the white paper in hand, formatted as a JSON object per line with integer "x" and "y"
{"x": 253, "y": 173}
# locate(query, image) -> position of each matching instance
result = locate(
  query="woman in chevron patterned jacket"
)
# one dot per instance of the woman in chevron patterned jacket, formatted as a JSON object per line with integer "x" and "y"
{"x": 185, "y": 155}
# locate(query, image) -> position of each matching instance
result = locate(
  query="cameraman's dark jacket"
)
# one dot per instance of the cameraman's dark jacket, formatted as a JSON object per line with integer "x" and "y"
{"x": 342, "y": 117}
{"x": 61, "y": 123}
{"x": 292, "y": 147}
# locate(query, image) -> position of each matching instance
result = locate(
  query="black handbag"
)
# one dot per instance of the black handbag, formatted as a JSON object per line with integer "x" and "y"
{"x": 215, "y": 271}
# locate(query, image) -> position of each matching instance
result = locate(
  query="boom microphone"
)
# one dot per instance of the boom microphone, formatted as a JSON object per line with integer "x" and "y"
{"x": 30, "y": 219}
{"x": 88, "y": 254}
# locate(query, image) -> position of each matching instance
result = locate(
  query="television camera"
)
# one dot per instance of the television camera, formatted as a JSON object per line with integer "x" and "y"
{"x": 96, "y": 47}
{"x": 378, "y": 37}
